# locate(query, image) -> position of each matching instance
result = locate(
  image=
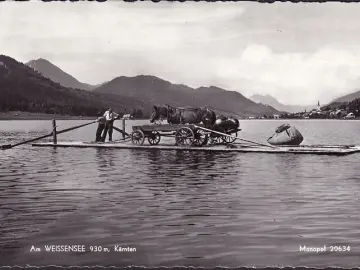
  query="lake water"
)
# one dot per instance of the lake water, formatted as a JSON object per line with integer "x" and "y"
{"x": 180, "y": 208}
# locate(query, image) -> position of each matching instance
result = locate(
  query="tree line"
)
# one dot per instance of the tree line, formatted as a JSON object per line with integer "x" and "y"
{"x": 8, "y": 103}
{"x": 62, "y": 109}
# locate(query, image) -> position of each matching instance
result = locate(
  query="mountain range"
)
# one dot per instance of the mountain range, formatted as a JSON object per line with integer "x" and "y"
{"x": 150, "y": 90}
{"x": 271, "y": 101}
{"x": 158, "y": 91}
{"x": 347, "y": 98}
{"x": 47, "y": 87}
{"x": 56, "y": 74}
{"x": 24, "y": 89}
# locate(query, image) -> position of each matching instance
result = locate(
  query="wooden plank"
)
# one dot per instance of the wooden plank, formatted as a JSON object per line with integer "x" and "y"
{"x": 54, "y": 131}
{"x": 243, "y": 149}
{"x": 319, "y": 146}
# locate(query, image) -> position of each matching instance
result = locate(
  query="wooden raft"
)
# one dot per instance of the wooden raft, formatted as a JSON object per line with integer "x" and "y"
{"x": 306, "y": 149}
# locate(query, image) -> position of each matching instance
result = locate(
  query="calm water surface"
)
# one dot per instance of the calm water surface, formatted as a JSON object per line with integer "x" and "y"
{"x": 180, "y": 208}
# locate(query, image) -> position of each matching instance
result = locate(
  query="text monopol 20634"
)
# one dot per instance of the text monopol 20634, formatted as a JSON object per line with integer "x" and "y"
{"x": 304, "y": 248}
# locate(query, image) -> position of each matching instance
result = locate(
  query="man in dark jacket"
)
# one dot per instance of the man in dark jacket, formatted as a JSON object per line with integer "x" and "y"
{"x": 110, "y": 117}
{"x": 101, "y": 126}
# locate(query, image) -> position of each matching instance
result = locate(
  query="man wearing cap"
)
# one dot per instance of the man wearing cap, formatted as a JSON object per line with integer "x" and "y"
{"x": 110, "y": 117}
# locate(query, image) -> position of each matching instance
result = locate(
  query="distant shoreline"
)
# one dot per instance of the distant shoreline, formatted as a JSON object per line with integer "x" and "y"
{"x": 17, "y": 115}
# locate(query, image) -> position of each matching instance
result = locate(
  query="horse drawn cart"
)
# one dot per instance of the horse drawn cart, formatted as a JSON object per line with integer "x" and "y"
{"x": 184, "y": 134}
{"x": 184, "y": 125}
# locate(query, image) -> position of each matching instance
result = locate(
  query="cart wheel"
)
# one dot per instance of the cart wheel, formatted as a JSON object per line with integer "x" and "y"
{"x": 184, "y": 136}
{"x": 227, "y": 139}
{"x": 215, "y": 140}
{"x": 138, "y": 137}
{"x": 201, "y": 137}
{"x": 154, "y": 138}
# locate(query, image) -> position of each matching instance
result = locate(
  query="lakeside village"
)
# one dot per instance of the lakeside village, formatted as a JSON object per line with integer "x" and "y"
{"x": 345, "y": 111}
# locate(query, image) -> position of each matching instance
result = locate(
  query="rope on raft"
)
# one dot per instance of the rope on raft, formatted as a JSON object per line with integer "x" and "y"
{"x": 234, "y": 137}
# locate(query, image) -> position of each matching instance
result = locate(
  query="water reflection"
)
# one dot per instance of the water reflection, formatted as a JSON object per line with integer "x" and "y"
{"x": 287, "y": 162}
{"x": 186, "y": 172}
{"x": 188, "y": 164}
{"x": 104, "y": 159}
{"x": 215, "y": 207}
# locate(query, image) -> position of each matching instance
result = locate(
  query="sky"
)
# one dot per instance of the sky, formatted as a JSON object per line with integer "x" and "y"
{"x": 297, "y": 53}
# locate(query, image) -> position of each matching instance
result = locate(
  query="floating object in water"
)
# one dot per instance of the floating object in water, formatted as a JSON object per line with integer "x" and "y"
{"x": 286, "y": 135}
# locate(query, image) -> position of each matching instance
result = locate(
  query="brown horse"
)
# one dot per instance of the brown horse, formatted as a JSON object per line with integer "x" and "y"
{"x": 184, "y": 115}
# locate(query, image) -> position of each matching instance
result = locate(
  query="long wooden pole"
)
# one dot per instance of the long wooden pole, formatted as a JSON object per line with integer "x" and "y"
{"x": 76, "y": 127}
{"x": 8, "y": 146}
{"x": 54, "y": 131}
{"x": 122, "y": 132}
{"x": 123, "y": 128}
{"x": 224, "y": 134}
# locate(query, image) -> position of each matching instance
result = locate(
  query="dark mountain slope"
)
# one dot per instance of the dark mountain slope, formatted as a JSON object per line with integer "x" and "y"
{"x": 22, "y": 88}
{"x": 154, "y": 90}
{"x": 347, "y": 98}
{"x": 51, "y": 71}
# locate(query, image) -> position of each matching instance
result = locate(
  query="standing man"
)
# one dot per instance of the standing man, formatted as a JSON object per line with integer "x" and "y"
{"x": 110, "y": 117}
{"x": 101, "y": 126}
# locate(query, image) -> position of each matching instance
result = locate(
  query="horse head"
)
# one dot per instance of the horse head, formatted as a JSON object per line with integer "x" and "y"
{"x": 159, "y": 112}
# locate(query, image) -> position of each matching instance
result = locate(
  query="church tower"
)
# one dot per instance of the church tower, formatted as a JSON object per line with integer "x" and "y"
{"x": 318, "y": 106}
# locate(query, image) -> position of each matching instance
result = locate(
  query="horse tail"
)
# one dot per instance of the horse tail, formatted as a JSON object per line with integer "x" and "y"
{"x": 210, "y": 115}
{"x": 237, "y": 122}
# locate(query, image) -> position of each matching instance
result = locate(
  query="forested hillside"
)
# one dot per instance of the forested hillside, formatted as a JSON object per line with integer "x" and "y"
{"x": 23, "y": 88}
